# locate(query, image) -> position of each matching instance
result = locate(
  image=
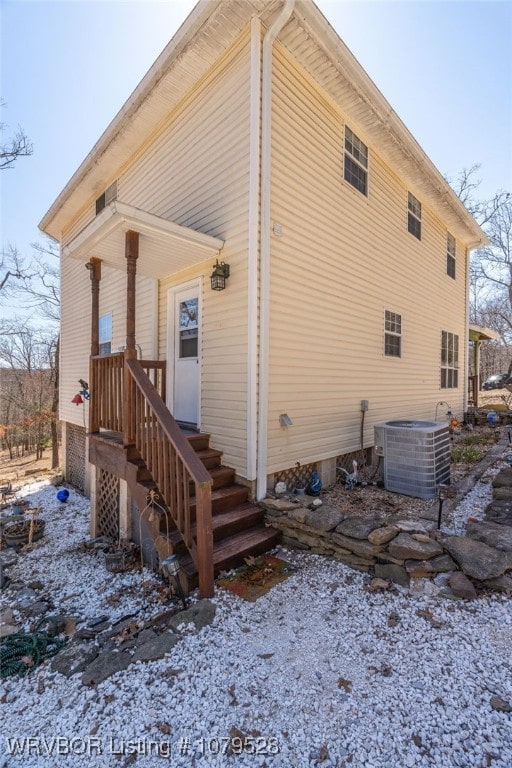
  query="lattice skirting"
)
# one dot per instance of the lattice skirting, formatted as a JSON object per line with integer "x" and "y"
{"x": 364, "y": 463}
{"x": 295, "y": 477}
{"x": 75, "y": 456}
{"x": 107, "y": 500}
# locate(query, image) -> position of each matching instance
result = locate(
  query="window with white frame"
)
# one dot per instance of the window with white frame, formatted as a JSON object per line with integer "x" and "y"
{"x": 392, "y": 334}
{"x": 450, "y": 255}
{"x": 356, "y": 162}
{"x": 449, "y": 360}
{"x": 105, "y": 333}
{"x": 414, "y": 216}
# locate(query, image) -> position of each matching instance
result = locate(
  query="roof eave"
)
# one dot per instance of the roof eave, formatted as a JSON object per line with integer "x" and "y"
{"x": 172, "y": 51}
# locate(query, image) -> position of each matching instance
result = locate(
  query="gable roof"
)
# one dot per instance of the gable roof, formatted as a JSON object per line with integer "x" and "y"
{"x": 207, "y": 32}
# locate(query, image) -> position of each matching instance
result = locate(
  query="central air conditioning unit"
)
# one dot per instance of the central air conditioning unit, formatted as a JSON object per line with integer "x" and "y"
{"x": 416, "y": 456}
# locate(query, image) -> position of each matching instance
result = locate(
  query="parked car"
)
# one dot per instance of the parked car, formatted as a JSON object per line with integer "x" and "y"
{"x": 495, "y": 382}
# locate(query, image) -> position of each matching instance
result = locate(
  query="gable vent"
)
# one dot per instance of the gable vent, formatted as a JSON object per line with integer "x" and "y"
{"x": 106, "y": 197}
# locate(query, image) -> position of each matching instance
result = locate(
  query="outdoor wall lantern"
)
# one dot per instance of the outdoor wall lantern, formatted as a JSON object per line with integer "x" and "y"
{"x": 219, "y": 276}
{"x": 171, "y": 568}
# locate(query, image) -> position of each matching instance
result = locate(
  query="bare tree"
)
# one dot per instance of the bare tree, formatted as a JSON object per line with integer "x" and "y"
{"x": 491, "y": 267}
{"x": 12, "y": 265}
{"x": 15, "y": 146}
{"x": 26, "y": 369}
{"x": 38, "y": 287}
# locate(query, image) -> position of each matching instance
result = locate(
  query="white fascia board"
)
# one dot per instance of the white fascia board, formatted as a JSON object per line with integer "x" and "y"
{"x": 118, "y": 214}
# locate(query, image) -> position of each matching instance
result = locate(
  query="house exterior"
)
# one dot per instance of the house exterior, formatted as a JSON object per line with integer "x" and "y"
{"x": 258, "y": 141}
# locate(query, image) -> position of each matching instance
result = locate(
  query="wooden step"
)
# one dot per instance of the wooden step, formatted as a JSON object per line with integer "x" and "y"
{"x": 232, "y": 551}
{"x": 143, "y": 472}
{"x": 224, "y": 499}
{"x": 210, "y": 457}
{"x": 225, "y": 524}
{"x": 199, "y": 442}
{"x": 222, "y": 477}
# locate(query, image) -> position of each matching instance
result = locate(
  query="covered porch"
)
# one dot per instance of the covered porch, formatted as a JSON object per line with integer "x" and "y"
{"x": 128, "y": 394}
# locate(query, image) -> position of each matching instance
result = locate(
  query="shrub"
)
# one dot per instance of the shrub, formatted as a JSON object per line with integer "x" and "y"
{"x": 466, "y": 453}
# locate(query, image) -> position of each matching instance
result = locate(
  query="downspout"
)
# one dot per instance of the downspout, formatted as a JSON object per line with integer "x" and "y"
{"x": 253, "y": 248}
{"x": 264, "y": 298}
{"x": 466, "y": 339}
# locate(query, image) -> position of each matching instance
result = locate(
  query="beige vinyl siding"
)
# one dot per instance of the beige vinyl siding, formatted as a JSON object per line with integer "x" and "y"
{"x": 342, "y": 261}
{"x": 75, "y": 341}
{"x": 196, "y": 173}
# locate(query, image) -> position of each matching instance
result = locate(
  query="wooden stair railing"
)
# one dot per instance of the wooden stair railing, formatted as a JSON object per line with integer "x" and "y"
{"x": 174, "y": 467}
{"x": 106, "y": 386}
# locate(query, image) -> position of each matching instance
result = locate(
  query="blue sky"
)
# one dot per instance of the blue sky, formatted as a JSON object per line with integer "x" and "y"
{"x": 67, "y": 67}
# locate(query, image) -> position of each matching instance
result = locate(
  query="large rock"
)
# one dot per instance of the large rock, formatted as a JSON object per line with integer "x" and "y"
{"x": 411, "y": 526}
{"x": 299, "y": 515}
{"x": 74, "y": 658}
{"x": 442, "y": 563}
{"x": 156, "y": 647}
{"x": 199, "y": 614}
{"x": 503, "y": 479}
{"x": 419, "y": 569}
{"x": 477, "y": 559}
{"x": 502, "y": 494}
{"x": 357, "y": 546}
{"x": 392, "y": 572}
{"x": 405, "y": 547}
{"x": 499, "y": 512}
{"x": 104, "y": 665}
{"x": 277, "y": 507}
{"x": 324, "y": 518}
{"x": 501, "y": 584}
{"x": 383, "y": 535}
{"x": 461, "y": 586}
{"x": 493, "y": 534}
{"x": 359, "y": 527}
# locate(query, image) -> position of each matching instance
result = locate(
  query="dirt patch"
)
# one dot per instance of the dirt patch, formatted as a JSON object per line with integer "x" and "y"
{"x": 370, "y": 499}
{"x": 25, "y": 469}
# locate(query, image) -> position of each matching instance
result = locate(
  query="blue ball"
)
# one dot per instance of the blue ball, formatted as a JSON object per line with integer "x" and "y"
{"x": 63, "y": 494}
{"x": 492, "y": 418}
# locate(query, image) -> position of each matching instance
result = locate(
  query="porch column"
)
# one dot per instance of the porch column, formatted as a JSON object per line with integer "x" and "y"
{"x": 94, "y": 267}
{"x": 130, "y": 353}
{"x": 476, "y": 386}
{"x": 132, "y": 254}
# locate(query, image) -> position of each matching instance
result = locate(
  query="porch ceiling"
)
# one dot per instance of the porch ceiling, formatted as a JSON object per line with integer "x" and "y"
{"x": 164, "y": 247}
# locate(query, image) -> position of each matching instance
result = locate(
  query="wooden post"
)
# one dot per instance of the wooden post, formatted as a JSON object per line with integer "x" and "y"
{"x": 130, "y": 353}
{"x": 204, "y": 540}
{"x": 94, "y": 267}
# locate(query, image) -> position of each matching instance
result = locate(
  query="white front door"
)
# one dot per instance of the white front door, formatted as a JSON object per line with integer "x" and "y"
{"x": 185, "y": 358}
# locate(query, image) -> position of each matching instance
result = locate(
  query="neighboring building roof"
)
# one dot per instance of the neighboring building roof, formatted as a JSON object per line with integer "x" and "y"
{"x": 478, "y": 333}
{"x": 208, "y": 31}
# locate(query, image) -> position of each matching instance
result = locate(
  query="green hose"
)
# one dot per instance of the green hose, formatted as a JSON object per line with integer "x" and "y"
{"x": 20, "y": 653}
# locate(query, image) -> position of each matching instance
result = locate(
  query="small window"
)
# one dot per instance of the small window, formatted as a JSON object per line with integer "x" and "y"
{"x": 106, "y": 197}
{"x": 356, "y": 162}
{"x": 449, "y": 360}
{"x": 414, "y": 216}
{"x": 450, "y": 255}
{"x": 393, "y": 334}
{"x": 105, "y": 334}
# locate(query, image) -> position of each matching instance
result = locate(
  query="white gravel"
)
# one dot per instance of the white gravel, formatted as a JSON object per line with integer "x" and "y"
{"x": 319, "y": 671}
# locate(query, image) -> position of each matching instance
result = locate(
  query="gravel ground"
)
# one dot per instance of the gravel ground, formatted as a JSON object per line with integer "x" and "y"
{"x": 319, "y": 671}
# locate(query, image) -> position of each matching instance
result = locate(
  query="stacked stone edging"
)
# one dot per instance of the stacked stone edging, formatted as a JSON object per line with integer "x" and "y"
{"x": 398, "y": 549}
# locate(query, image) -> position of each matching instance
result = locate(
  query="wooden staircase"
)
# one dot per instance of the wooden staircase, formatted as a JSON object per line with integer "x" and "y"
{"x": 237, "y": 524}
{"x": 201, "y": 514}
